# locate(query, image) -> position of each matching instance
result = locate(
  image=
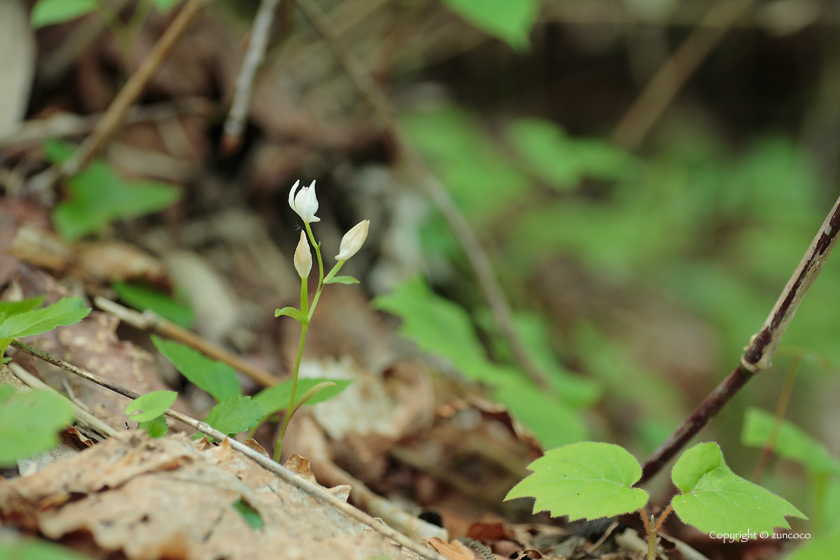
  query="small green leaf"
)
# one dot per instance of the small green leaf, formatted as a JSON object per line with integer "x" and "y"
{"x": 341, "y": 280}
{"x": 792, "y": 442}
{"x": 29, "y": 423}
{"x": 142, "y": 297}
{"x": 234, "y": 415}
{"x": 251, "y": 516}
{"x": 49, "y": 12}
{"x": 9, "y": 308}
{"x": 510, "y": 20}
{"x": 584, "y": 480}
{"x": 156, "y": 427}
{"x": 216, "y": 378}
{"x": 67, "y": 311}
{"x": 275, "y": 399}
{"x": 32, "y": 549}
{"x": 164, "y": 5}
{"x": 151, "y": 405}
{"x": 58, "y": 151}
{"x": 716, "y": 500}
{"x": 294, "y": 313}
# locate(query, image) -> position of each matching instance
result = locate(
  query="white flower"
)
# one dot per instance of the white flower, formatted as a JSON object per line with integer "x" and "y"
{"x": 305, "y": 203}
{"x": 303, "y": 257}
{"x": 353, "y": 241}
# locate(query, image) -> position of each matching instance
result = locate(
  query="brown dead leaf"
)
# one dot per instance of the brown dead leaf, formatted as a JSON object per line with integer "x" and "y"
{"x": 455, "y": 550}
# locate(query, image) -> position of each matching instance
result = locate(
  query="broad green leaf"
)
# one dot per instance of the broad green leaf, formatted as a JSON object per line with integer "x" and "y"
{"x": 29, "y": 423}
{"x": 234, "y": 415}
{"x": 164, "y": 5}
{"x": 341, "y": 280}
{"x": 251, "y": 516}
{"x": 584, "y": 480}
{"x": 276, "y": 398}
{"x": 215, "y": 377}
{"x": 142, "y": 297}
{"x": 58, "y": 151}
{"x": 98, "y": 195}
{"x": 716, "y": 500}
{"x": 66, "y": 311}
{"x": 510, "y": 20}
{"x": 32, "y": 549}
{"x": 151, "y": 405}
{"x": 294, "y": 313}
{"x": 792, "y": 442}
{"x": 49, "y": 12}
{"x": 156, "y": 427}
{"x": 562, "y": 161}
{"x": 9, "y": 308}
{"x": 822, "y": 547}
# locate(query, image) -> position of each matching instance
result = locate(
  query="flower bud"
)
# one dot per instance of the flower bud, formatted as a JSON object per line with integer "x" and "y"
{"x": 353, "y": 241}
{"x": 305, "y": 203}
{"x": 303, "y": 257}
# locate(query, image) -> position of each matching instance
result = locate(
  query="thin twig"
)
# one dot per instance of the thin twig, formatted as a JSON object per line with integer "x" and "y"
{"x": 260, "y": 459}
{"x": 235, "y": 121}
{"x": 151, "y": 320}
{"x": 115, "y": 113}
{"x": 778, "y": 419}
{"x": 762, "y": 346}
{"x": 479, "y": 261}
{"x": 672, "y": 75}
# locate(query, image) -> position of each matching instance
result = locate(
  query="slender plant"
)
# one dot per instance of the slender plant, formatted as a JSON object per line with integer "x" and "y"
{"x": 305, "y": 204}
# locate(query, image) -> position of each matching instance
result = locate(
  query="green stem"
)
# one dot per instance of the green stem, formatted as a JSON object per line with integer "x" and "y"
{"x": 318, "y": 254}
{"x": 289, "y": 411}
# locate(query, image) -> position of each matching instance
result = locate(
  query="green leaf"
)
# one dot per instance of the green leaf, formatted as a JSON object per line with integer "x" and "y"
{"x": 295, "y": 314}
{"x": 714, "y": 499}
{"x": 9, "y": 308}
{"x": 32, "y": 549}
{"x": 276, "y": 398}
{"x": 156, "y": 427}
{"x": 818, "y": 548}
{"x": 164, "y": 5}
{"x": 234, "y": 415}
{"x": 151, "y": 405}
{"x": 510, "y": 20}
{"x": 98, "y": 196}
{"x": 217, "y": 378}
{"x": 792, "y": 442}
{"x": 142, "y": 297}
{"x": 584, "y": 480}
{"x": 29, "y": 423}
{"x": 251, "y": 516}
{"x": 49, "y": 12}
{"x": 58, "y": 151}
{"x": 67, "y": 311}
{"x": 341, "y": 280}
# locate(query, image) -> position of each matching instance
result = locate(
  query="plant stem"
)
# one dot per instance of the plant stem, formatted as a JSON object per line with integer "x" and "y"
{"x": 781, "y": 409}
{"x": 662, "y": 518}
{"x": 279, "y": 447}
{"x": 651, "y": 534}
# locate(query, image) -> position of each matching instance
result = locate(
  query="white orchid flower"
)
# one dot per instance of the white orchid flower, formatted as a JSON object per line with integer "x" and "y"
{"x": 353, "y": 241}
{"x": 304, "y": 203}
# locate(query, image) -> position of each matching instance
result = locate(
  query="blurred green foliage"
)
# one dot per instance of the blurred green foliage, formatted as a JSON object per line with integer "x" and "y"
{"x": 142, "y": 297}
{"x": 509, "y": 20}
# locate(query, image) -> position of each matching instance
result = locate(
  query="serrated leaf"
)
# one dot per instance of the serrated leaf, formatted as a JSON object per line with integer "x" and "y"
{"x": 792, "y": 442}
{"x": 716, "y": 500}
{"x": 217, "y": 378}
{"x": 341, "y": 280}
{"x": 156, "y": 427}
{"x": 510, "y": 20}
{"x": 49, "y": 12}
{"x": 276, "y": 398}
{"x": 294, "y": 313}
{"x": 252, "y": 517}
{"x": 33, "y": 549}
{"x": 142, "y": 297}
{"x": 151, "y": 405}
{"x": 234, "y": 415}
{"x": 67, "y": 311}
{"x": 584, "y": 480}
{"x": 29, "y": 423}
{"x": 9, "y": 308}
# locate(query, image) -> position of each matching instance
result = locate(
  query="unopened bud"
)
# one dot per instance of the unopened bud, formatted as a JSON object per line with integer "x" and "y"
{"x": 303, "y": 257}
{"x": 353, "y": 241}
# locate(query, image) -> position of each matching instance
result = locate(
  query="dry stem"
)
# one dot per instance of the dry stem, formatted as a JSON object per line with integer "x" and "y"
{"x": 762, "y": 346}
{"x": 260, "y": 459}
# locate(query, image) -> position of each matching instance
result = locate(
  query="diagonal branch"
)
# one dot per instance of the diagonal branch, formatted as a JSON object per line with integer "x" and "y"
{"x": 260, "y": 459}
{"x": 762, "y": 346}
